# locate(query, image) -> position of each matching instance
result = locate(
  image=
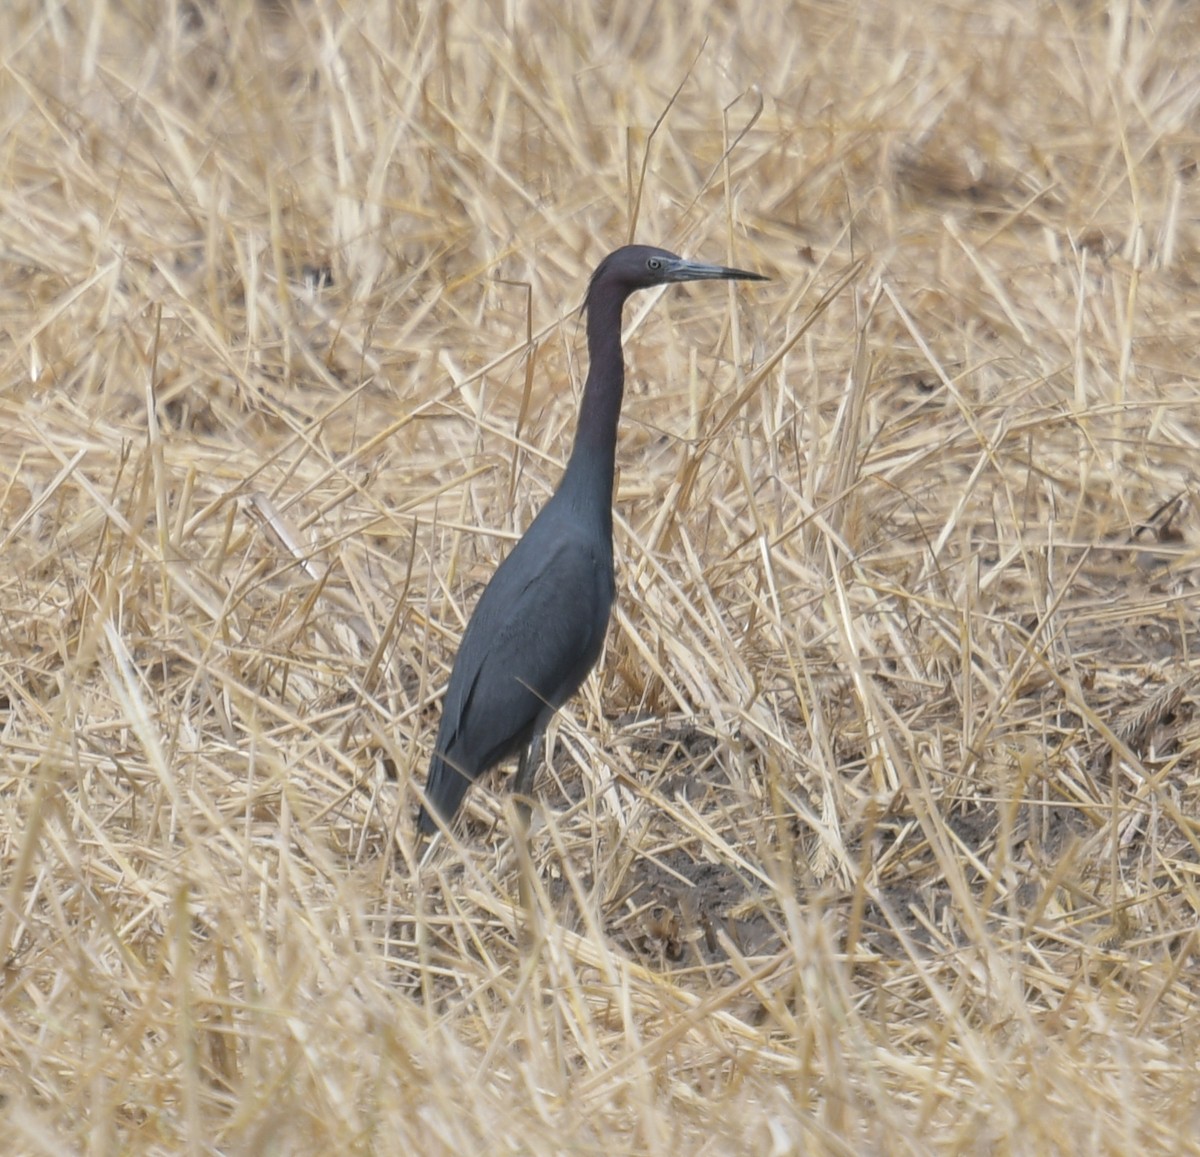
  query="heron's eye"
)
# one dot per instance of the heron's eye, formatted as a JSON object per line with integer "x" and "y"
{"x": 654, "y": 263}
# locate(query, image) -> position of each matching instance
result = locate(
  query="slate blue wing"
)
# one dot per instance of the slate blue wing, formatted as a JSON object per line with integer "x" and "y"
{"x": 536, "y": 632}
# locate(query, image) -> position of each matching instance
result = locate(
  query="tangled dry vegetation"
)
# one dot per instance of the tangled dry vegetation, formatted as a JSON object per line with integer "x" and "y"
{"x": 877, "y": 830}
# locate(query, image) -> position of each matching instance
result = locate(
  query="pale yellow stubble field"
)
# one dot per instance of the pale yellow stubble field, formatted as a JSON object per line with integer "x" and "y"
{"x": 876, "y": 830}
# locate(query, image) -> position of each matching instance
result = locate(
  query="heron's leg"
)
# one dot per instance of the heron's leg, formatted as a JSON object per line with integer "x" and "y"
{"x": 527, "y": 768}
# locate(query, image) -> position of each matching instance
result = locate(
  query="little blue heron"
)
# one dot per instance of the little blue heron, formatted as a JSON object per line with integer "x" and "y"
{"x": 539, "y": 625}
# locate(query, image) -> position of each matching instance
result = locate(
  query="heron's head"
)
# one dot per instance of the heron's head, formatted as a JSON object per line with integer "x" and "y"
{"x": 634, "y": 267}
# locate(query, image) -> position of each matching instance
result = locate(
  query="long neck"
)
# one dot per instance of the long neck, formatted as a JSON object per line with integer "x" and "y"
{"x": 588, "y": 480}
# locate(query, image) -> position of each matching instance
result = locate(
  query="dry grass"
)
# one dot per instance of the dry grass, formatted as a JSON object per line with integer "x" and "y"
{"x": 877, "y": 831}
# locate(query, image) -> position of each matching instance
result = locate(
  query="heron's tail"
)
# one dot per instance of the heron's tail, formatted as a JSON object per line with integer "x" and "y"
{"x": 444, "y": 791}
